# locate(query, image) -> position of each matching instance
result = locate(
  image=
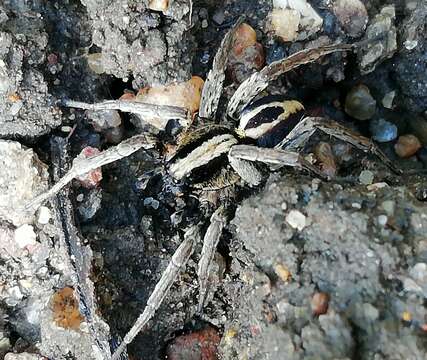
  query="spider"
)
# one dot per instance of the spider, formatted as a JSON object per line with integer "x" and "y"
{"x": 227, "y": 155}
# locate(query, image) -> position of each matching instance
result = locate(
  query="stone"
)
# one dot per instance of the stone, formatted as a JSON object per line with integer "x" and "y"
{"x": 325, "y": 156}
{"x": 65, "y": 307}
{"x": 43, "y": 215}
{"x": 383, "y": 130}
{"x": 352, "y": 16}
{"x": 296, "y": 219}
{"x": 377, "y": 49}
{"x": 319, "y": 303}
{"x": 22, "y": 178}
{"x": 407, "y": 146}
{"x": 25, "y": 236}
{"x": 388, "y": 99}
{"x": 359, "y": 103}
{"x": 104, "y": 119}
{"x": 92, "y": 178}
{"x": 283, "y": 272}
{"x": 184, "y": 94}
{"x": 158, "y": 5}
{"x": 294, "y": 20}
{"x": 218, "y": 17}
{"x": 247, "y": 55}
{"x": 366, "y": 177}
{"x": 94, "y": 61}
{"x": 200, "y": 344}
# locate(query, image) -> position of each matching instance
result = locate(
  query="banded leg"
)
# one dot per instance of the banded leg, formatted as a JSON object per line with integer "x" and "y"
{"x": 298, "y": 137}
{"x": 273, "y": 157}
{"x": 82, "y": 166}
{"x": 178, "y": 261}
{"x": 213, "y": 86}
{"x": 259, "y": 81}
{"x": 210, "y": 243}
{"x": 156, "y": 115}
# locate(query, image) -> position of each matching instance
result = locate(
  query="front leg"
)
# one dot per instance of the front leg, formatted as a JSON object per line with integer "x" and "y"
{"x": 273, "y": 158}
{"x": 299, "y": 136}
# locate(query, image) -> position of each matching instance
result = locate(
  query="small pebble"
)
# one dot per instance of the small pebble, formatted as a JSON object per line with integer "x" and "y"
{"x": 66, "y": 129}
{"x": 407, "y": 146}
{"x": 158, "y": 5}
{"x": 185, "y": 94}
{"x": 25, "y": 236}
{"x": 43, "y": 215}
{"x": 377, "y": 186}
{"x": 382, "y": 130}
{"x": 152, "y": 203}
{"x": 218, "y": 16}
{"x": 296, "y": 219}
{"x": 275, "y": 52}
{"x": 382, "y": 220}
{"x": 205, "y": 24}
{"x": 387, "y": 100}
{"x": 406, "y": 316}
{"x": 366, "y": 177}
{"x": 419, "y": 273}
{"x": 359, "y": 103}
{"x": 388, "y": 206}
{"x": 356, "y": 205}
{"x": 92, "y": 178}
{"x": 94, "y": 61}
{"x": 104, "y": 119}
{"x": 319, "y": 303}
{"x": 247, "y": 55}
{"x": 65, "y": 309}
{"x": 283, "y": 272}
{"x": 352, "y": 16}
{"x": 200, "y": 344}
{"x": 326, "y": 158}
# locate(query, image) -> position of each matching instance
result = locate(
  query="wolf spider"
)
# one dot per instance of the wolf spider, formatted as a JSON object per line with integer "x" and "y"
{"x": 234, "y": 152}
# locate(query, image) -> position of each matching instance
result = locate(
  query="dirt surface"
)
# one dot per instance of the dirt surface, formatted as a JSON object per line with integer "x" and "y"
{"x": 306, "y": 269}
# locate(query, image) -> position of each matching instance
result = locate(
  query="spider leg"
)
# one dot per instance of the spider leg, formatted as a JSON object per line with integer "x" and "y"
{"x": 273, "y": 157}
{"x": 215, "y": 79}
{"x": 297, "y": 138}
{"x": 210, "y": 242}
{"x": 259, "y": 81}
{"x": 82, "y": 166}
{"x": 178, "y": 261}
{"x": 246, "y": 170}
{"x": 156, "y": 115}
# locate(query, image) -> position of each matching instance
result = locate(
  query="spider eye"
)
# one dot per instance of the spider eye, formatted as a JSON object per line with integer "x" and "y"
{"x": 264, "y": 117}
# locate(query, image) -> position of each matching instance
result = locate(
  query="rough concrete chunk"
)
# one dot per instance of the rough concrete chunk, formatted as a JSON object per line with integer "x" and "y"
{"x": 22, "y": 177}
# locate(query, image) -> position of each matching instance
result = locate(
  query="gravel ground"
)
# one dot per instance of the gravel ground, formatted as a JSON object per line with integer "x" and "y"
{"x": 306, "y": 269}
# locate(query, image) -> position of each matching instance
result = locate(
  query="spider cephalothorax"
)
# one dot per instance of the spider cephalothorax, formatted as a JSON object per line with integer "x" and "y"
{"x": 268, "y": 131}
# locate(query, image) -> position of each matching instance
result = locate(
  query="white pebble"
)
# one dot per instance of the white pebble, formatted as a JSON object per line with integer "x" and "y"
{"x": 25, "y": 236}
{"x": 366, "y": 177}
{"x": 382, "y": 220}
{"x": 296, "y": 219}
{"x": 43, "y": 215}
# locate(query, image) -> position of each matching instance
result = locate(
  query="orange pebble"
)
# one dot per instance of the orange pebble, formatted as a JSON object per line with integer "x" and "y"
{"x": 66, "y": 309}
{"x": 320, "y": 303}
{"x": 244, "y": 37}
{"x": 407, "y": 145}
